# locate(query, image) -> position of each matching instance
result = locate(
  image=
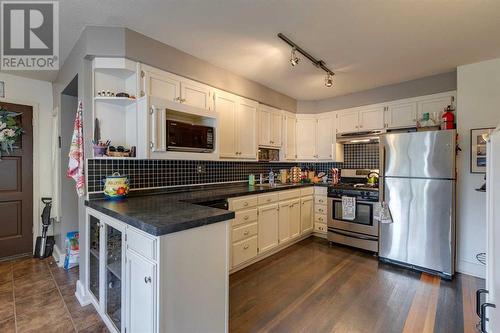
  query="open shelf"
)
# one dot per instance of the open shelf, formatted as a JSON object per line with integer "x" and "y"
{"x": 95, "y": 253}
{"x": 121, "y": 101}
{"x": 116, "y": 269}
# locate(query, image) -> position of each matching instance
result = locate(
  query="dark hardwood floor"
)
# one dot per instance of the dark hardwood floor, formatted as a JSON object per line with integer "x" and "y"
{"x": 312, "y": 287}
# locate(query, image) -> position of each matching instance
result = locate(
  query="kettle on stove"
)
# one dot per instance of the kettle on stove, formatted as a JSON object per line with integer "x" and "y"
{"x": 372, "y": 178}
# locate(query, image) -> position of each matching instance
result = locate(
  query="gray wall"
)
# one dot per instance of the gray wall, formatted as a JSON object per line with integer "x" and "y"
{"x": 154, "y": 53}
{"x": 69, "y": 199}
{"x": 419, "y": 87}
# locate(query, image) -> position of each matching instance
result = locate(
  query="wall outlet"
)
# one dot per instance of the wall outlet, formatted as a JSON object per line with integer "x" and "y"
{"x": 201, "y": 168}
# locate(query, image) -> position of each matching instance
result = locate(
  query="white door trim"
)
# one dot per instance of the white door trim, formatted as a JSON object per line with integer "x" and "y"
{"x": 36, "y": 168}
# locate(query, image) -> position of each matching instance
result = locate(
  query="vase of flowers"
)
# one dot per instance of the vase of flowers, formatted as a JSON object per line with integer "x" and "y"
{"x": 9, "y": 131}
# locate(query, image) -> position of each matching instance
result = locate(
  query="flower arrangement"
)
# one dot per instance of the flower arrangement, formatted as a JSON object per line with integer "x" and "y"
{"x": 9, "y": 130}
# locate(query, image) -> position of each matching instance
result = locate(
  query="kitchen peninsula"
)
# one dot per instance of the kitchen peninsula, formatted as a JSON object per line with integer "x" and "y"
{"x": 174, "y": 276}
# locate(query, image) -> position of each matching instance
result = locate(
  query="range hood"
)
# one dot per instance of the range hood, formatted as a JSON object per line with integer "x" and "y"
{"x": 359, "y": 137}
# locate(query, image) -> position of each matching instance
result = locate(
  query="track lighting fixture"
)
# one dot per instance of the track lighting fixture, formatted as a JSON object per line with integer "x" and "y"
{"x": 329, "y": 80}
{"x": 294, "y": 59}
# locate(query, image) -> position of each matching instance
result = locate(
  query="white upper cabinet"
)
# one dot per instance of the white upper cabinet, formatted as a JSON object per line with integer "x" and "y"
{"x": 371, "y": 118}
{"x": 237, "y": 126}
{"x": 325, "y": 137}
{"x": 226, "y": 106}
{"x": 290, "y": 137}
{"x": 401, "y": 115}
{"x": 175, "y": 88}
{"x": 270, "y": 126}
{"x": 264, "y": 126}
{"x": 361, "y": 119}
{"x": 434, "y": 105}
{"x": 306, "y": 138}
{"x": 161, "y": 84}
{"x": 196, "y": 94}
{"x": 348, "y": 121}
{"x": 246, "y": 128}
{"x": 276, "y": 128}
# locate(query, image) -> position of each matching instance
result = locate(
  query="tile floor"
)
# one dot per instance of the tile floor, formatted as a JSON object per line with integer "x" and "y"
{"x": 37, "y": 296}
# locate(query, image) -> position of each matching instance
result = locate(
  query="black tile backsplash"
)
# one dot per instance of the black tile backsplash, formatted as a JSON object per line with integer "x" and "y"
{"x": 361, "y": 156}
{"x": 162, "y": 173}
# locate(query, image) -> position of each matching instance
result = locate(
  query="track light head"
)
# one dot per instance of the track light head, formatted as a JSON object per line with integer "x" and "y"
{"x": 294, "y": 59}
{"x": 329, "y": 80}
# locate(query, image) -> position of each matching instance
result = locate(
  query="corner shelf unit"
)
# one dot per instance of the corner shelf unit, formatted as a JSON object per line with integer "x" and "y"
{"x": 116, "y": 116}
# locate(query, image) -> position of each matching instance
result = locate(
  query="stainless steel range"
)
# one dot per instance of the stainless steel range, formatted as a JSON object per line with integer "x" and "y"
{"x": 362, "y": 231}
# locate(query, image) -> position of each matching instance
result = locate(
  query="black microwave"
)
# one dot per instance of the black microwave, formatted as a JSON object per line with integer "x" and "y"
{"x": 189, "y": 138}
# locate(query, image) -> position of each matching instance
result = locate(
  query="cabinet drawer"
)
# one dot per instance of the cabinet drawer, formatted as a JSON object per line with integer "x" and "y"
{"x": 320, "y": 190}
{"x": 268, "y": 198}
{"x": 320, "y": 200}
{"x": 142, "y": 244}
{"x": 320, "y": 209}
{"x": 245, "y": 216}
{"x": 320, "y": 227}
{"x": 244, "y": 250}
{"x": 320, "y": 218}
{"x": 307, "y": 191}
{"x": 243, "y": 203}
{"x": 244, "y": 231}
{"x": 291, "y": 194}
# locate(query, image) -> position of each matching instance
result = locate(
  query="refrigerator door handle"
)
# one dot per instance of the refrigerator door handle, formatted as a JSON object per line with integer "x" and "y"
{"x": 382, "y": 171}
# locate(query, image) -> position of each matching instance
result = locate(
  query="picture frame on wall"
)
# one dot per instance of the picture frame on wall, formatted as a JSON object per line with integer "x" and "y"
{"x": 478, "y": 149}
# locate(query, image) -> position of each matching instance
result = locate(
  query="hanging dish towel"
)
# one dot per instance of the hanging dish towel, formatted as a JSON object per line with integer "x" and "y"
{"x": 382, "y": 213}
{"x": 75, "y": 165}
{"x": 348, "y": 208}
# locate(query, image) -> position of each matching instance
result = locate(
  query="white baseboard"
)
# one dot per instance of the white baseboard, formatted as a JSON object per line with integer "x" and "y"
{"x": 59, "y": 256}
{"x": 82, "y": 297}
{"x": 471, "y": 268}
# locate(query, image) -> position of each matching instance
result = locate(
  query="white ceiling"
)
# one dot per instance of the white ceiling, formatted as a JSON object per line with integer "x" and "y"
{"x": 368, "y": 43}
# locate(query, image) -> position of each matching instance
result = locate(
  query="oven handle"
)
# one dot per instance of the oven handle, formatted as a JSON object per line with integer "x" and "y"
{"x": 335, "y": 231}
{"x": 357, "y": 201}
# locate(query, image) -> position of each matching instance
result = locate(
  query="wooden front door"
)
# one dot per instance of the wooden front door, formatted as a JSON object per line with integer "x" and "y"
{"x": 16, "y": 189}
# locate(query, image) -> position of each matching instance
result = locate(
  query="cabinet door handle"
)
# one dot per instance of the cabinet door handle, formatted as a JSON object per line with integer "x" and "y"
{"x": 246, "y": 217}
{"x": 245, "y": 246}
{"x": 147, "y": 279}
{"x": 245, "y": 204}
{"x": 246, "y": 232}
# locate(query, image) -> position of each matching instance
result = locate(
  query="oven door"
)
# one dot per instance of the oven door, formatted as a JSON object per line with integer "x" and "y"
{"x": 363, "y": 223}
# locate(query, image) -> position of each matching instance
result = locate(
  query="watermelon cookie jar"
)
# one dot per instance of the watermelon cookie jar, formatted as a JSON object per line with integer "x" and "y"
{"x": 116, "y": 186}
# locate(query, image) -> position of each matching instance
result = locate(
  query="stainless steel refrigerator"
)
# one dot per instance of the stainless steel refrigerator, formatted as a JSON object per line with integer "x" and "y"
{"x": 418, "y": 183}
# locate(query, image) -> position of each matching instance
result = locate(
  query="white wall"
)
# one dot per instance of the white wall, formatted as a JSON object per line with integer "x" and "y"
{"x": 26, "y": 91}
{"x": 478, "y": 94}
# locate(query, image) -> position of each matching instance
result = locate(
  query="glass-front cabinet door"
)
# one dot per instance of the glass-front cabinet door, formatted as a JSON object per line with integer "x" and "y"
{"x": 106, "y": 263}
{"x": 113, "y": 274}
{"x": 94, "y": 255}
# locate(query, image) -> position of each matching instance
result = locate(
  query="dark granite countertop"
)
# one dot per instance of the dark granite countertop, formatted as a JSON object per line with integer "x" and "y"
{"x": 173, "y": 210}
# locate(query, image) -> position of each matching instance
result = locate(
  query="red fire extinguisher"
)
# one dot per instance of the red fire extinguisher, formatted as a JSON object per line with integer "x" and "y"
{"x": 448, "y": 119}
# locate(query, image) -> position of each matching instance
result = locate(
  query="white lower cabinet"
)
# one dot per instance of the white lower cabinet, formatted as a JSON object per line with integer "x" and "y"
{"x": 320, "y": 210}
{"x": 268, "y": 222}
{"x": 294, "y": 219}
{"x": 140, "y": 283}
{"x": 140, "y": 275}
{"x": 268, "y": 227}
{"x": 306, "y": 214}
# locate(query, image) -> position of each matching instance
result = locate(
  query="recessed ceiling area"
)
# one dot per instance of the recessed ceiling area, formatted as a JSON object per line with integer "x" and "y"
{"x": 366, "y": 43}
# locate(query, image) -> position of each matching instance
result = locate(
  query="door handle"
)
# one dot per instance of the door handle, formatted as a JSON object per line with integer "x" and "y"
{"x": 478, "y": 300}
{"x": 147, "y": 279}
{"x": 483, "y": 315}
